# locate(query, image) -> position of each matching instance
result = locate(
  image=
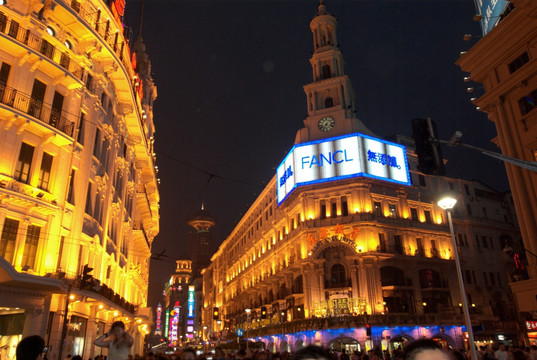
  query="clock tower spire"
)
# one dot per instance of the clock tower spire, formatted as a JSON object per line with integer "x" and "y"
{"x": 330, "y": 97}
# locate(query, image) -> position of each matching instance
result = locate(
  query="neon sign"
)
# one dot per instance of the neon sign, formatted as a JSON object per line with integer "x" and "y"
{"x": 158, "y": 331}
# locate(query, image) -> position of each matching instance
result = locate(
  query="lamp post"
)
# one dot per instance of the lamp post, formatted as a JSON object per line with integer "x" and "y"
{"x": 447, "y": 202}
{"x": 247, "y": 325}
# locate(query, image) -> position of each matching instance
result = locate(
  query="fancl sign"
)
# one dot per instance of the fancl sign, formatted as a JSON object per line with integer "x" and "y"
{"x": 341, "y": 157}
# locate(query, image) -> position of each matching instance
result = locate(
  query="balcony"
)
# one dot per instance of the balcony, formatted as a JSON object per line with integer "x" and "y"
{"x": 26, "y": 37}
{"x": 37, "y": 109}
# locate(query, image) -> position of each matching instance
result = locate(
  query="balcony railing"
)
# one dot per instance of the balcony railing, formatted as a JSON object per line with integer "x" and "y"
{"x": 26, "y": 37}
{"x": 37, "y": 109}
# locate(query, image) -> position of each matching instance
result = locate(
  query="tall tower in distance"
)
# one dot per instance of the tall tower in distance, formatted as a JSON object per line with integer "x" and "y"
{"x": 200, "y": 239}
{"x": 330, "y": 97}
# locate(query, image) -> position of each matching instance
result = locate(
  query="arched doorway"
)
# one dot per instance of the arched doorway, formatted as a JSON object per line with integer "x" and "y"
{"x": 299, "y": 344}
{"x": 284, "y": 346}
{"x": 444, "y": 340}
{"x": 344, "y": 342}
{"x": 398, "y": 342}
{"x": 271, "y": 347}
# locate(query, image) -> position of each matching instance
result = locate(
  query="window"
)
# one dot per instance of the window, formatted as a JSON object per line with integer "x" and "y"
{"x": 36, "y": 102}
{"x": 382, "y": 243}
{"x": 419, "y": 245}
{"x": 492, "y": 279}
{"x": 24, "y": 164}
{"x": 30, "y": 246}
{"x": 421, "y": 179}
{"x": 378, "y": 208}
{"x": 485, "y": 242}
{"x": 80, "y": 135}
{"x": 344, "y": 207}
{"x": 485, "y": 213}
{"x": 13, "y": 29}
{"x": 88, "y": 208}
{"x": 469, "y": 209}
{"x": 71, "y": 190}
{"x": 518, "y": 62}
{"x": 47, "y": 49}
{"x": 325, "y": 71}
{"x": 328, "y": 102}
{"x": 56, "y": 111}
{"x": 486, "y": 278}
{"x": 427, "y": 214}
{"x": 468, "y": 276}
{"x": 323, "y": 211}
{"x": 89, "y": 83}
{"x": 451, "y": 186}
{"x": 460, "y": 241}
{"x": 414, "y": 214}
{"x": 44, "y": 172}
{"x": 96, "y": 141}
{"x": 4, "y": 74}
{"x": 3, "y": 18}
{"x": 527, "y": 103}
{"x": 398, "y": 244}
{"x": 51, "y": 31}
{"x": 334, "y": 210}
{"x": 393, "y": 210}
{"x": 339, "y": 277}
{"x": 68, "y": 44}
{"x": 466, "y": 189}
{"x": 7, "y": 241}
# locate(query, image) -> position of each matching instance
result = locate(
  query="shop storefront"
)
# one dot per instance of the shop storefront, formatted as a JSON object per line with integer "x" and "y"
{"x": 531, "y": 331}
{"x": 11, "y": 327}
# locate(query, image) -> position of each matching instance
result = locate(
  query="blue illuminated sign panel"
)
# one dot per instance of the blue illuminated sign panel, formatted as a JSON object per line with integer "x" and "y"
{"x": 490, "y": 11}
{"x": 341, "y": 157}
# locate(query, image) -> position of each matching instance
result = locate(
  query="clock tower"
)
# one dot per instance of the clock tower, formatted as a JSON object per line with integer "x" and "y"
{"x": 330, "y": 97}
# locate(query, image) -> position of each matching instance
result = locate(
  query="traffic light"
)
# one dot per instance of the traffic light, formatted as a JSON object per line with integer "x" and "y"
{"x": 368, "y": 330}
{"x": 86, "y": 277}
{"x": 430, "y": 159}
{"x": 216, "y": 313}
{"x": 263, "y": 312}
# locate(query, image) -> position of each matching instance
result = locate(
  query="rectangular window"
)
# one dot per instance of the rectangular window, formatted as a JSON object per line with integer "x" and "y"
{"x": 47, "y": 48}
{"x": 4, "y": 73}
{"x": 89, "y": 208}
{"x": 485, "y": 277}
{"x": 96, "y": 142}
{"x": 527, "y": 103}
{"x": 13, "y": 29}
{"x": 419, "y": 245}
{"x": 499, "y": 279}
{"x": 30, "y": 246}
{"x": 492, "y": 279}
{"x": 344, "y": 207}
{"x": 71, "y": 191}
{"x": 323, "y": 211}
{"x": 518, "y": 62}
{"x": 421, "y": 179}
{"x": 382, "y": 243}
{"x": 8, "y": 239}
{"x": 24, "y": 164}
{"x": 485, "y": 242}
{"x": 334, "y": 210}
{"x": 44, "y": 171}
{"x": 468, "y": 276}
{"x": 485, "y": 213}
{"x": 393, "y": 210}
{"x": 451, "y": 186}
{"x": 469, "y": 209}
{"x": 398, "y": 244}
{"x": 378, "y": 208}
{"x": 466, "y": 189}
{"x": 414, "y": 214}
{"x": 80, "y": 135}
{"x": 89, "y": 83}
{"x": 37, "y": 97}
{"x": 427, "y": 214}
{"x": 460, "y": 241}
{"x": 56, "y": 110}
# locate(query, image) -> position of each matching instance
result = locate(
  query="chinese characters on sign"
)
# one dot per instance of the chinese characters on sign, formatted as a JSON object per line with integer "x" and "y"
{"x": 531, "y": 325}
{"x": 382, "y": 159}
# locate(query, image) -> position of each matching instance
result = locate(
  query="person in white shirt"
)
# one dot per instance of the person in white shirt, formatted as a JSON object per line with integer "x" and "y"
{"x": 501, "y": 354}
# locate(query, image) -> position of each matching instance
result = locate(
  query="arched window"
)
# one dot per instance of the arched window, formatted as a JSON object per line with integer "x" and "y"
{"x": 339, "y": 276}
{"x": 325, "y": 70}
{"x": 51, "y": 31}
{"x": 328, "y": 102}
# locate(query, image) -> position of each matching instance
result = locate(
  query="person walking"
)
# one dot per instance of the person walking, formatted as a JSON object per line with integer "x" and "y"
{"x": 118, "y": 342}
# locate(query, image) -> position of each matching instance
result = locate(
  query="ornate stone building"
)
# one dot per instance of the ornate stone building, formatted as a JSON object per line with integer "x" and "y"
{"x": 333, "y": 257}
{"x": 78, "y": 183}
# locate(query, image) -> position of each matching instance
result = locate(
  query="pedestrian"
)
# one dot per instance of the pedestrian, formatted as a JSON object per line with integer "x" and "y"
{"x": 501, "y": 354}
{"x": 118, "y": 341}
{"x": 30, "y": 348}
{"x": 188, "y": 354}
{"x": 312, "y": 352}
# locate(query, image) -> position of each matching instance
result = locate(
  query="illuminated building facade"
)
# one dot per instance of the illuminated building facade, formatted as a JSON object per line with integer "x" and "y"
{"x": 504, "y": 62}
{"x": 345, "y": 236}
{"x": 78, "y": 186}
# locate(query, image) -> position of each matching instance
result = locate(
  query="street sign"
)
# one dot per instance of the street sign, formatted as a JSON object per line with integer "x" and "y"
{"x": 240, "y": 332}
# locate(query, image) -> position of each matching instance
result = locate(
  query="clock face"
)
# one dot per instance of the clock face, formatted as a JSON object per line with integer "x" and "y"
{"x": 326, "y": 124}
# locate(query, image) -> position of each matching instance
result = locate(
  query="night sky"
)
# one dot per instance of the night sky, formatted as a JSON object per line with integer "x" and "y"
{"x": 230, "y": 99}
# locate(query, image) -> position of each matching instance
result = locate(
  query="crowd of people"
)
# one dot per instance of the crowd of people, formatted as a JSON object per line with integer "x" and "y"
{"x": 119, "y": 342}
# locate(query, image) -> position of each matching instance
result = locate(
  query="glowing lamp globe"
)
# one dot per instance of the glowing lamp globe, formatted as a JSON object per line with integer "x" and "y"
{"x": 447, "y": 202}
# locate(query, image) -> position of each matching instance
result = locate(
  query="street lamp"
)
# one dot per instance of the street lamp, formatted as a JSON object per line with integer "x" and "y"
{"x": 447, "y": 202}
{"x": 247, "y": 325}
